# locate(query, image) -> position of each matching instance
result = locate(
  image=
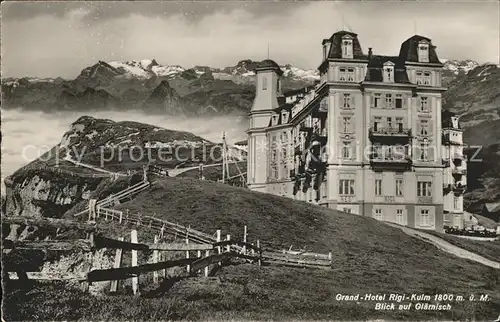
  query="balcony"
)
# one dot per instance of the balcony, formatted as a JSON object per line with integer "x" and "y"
{"x": 458, "y": 159}
{"x": 320, "y": 136}
{"x": 395, "y": 163}
{"x": 346, "y": 198}
{"x": 389, "y": 133}
{"x": 306, "y": 126}
{"x": 459, "y": 188}
{"x": 424, "y": 200}
{"x": 457, "y": 172}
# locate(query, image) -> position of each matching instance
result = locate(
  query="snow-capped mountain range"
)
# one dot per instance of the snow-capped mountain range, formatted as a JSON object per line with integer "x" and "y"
{"x": 147, "y": 68}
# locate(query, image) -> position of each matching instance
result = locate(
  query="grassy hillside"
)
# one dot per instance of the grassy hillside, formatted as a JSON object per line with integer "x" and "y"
{"x": 368, "y": 257}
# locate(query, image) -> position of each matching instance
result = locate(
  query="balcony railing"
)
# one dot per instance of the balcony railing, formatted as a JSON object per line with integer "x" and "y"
{"x": 459, "y": 188}
{"x": 391, "y": 162}
{"x": 390, "y": 131}
{"x": 459, "y": 171}
{"x": 424, "y": 200}
{"x": 347, "y": 198}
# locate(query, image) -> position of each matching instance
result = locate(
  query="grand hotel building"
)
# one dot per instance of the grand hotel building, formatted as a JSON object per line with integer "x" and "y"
{"x": 368, "y": 139}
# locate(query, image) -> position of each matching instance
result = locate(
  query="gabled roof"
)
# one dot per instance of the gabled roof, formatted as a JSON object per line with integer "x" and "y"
{"x": 336, "y": 45}
{"x": 409, "y": 52}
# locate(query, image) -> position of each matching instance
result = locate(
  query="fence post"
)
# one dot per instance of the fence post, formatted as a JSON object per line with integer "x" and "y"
{"x": 199, "y": 256}
{"x": 85, "y": 285}
{"x": 162, "y": 230}
{"x": 218, "y": 240}
{"x": 135, "y": 279}
{"x": 117, "y": 264}
{"x": 259, "y": 250}
{"x": 188, "y": 267}
{"x": 155, "y": 260}
{"x": 245, "y": 239}
{"x": 330, "y": 257}
{"x": 228, "y": 247}
{"x": 207, "y": 254}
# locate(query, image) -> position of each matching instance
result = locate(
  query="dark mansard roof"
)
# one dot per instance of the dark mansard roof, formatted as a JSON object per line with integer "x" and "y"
{"x": 336, "y": 45}
{"x": 376, "y": 64}
{"x": 287, "y": 107}
{"x": 409, "y": 50}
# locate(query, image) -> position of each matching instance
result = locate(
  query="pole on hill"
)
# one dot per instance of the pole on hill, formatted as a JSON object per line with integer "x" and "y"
{"x": 223, "y": 157}
{"x": 135, "y": 279}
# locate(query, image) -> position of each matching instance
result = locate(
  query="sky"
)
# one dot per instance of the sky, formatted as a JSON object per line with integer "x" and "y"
{"x": 50, "y": 39}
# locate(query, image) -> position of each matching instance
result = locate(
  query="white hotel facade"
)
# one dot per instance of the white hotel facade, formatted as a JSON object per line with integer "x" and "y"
{"x": 368, "y": 139}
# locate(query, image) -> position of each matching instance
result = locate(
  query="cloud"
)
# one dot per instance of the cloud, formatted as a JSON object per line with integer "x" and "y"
{"x": 62, "y": 42}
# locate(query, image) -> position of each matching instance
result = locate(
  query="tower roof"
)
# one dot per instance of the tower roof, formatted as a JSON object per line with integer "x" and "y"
{"x": 269, "y": 64}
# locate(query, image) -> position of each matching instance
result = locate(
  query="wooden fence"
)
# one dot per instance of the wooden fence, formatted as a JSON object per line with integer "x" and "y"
{"x": 214, "y": 254}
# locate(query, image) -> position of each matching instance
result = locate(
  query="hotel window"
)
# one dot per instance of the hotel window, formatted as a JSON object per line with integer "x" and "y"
{"x": 420, "y": 79}
{"x": 378, "y": 187}
{"x": 399, "y": 187}
{"x": 388, "y": 100}
{"x": 376, "y": 123}
{"x": 424, "y": 127}
{"x": 456, "y": 203}
{"x": 424, "y": 104}
{"x": 424, "y": 217}
{"x": 343, "y": 74}
{"x": 423, "y": 53}
{"x": 399, "y": 124}
{"x": 346, "y": 187}
{"x": 376, "y": 151}
{"x": 378, "y": 214}
{"x": 424, "y": 189}
{"x": 427, "y": 78}
{"x": 346, "y": 150}
{"x": 399, "y": 101}
{"x": 424, "y": 150}
{"x": 350, "y": 74}
{"x": 273, "y": 155}
{"x": 376, "y": 100}
{"x": 346, "y": 124}
{"x": 399, "y": 216}
{"x": 389, "y": 72}
{"x": 347, "y": 101}
{"x": 389, "y": 122}
{"x": 264, "y": 83}
{"x": 274, "y": 171}
{"x": 347, "y": 210}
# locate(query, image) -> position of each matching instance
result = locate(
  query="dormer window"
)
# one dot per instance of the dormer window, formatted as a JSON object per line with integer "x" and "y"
{"x": 326, "y": 49}
{"x": 388, "y": 72}
{"x": 347, "y": 47}
{"x": 423, "y": 52}
{"x": 274, "y": 119}
{"x": 284, "y": 117}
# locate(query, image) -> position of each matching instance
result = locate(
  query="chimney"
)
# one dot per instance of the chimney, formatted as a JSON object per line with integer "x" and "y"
{"x": 369, "y": 53}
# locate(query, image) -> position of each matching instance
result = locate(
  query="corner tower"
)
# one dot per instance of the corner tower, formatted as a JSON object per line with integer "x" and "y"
{"x": 267, "y": 90}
